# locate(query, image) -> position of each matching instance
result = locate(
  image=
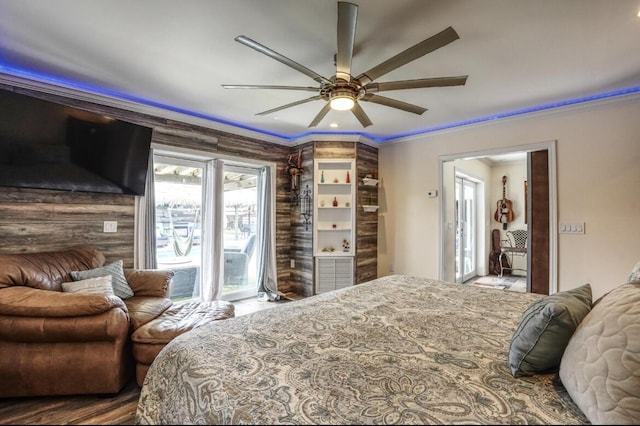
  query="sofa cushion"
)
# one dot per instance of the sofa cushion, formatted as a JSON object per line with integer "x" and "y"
{"x": 143, "y": 309}
{"x": 21, "y": 301}
{"x": 121, "y": 287}
{"x": 149, "y": 282}
{"x": 545, "y": 329}
{"x": 46, "y": 270}
{"x": 181, "y": 317}
{"x": 98, "y": 285}
{"x": 600, "y": 367}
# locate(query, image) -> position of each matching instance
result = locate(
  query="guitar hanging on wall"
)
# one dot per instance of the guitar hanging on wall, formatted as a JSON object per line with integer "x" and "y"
{"x": 504, "y": 210}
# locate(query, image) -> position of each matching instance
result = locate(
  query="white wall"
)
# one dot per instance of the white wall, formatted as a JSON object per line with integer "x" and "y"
{"x": 598, "y": 180}
{"x": 516, "y": 173}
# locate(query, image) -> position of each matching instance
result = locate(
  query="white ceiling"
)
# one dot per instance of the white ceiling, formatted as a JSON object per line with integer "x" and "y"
{"x": 518, "y": 54}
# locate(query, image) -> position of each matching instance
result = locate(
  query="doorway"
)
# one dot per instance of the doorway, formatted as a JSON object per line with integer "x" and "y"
{"x": 542, "y": 231}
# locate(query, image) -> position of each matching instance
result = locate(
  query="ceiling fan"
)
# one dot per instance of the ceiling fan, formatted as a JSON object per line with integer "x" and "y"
{"x": 344, "y": 92}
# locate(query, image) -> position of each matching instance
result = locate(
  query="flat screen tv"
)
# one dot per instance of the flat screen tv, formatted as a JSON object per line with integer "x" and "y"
{"x": 48, "y": 145}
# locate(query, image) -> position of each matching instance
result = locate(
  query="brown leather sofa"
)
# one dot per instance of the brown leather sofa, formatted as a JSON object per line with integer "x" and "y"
{"x": 57, "y": 343}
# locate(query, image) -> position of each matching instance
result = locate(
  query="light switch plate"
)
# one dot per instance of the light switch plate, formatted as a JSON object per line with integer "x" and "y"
{"x": 571, "y": 227}
{"x": 110, "y": 226}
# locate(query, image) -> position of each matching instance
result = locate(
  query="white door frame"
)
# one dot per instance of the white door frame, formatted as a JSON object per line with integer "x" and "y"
{"x": 550, "y": 146}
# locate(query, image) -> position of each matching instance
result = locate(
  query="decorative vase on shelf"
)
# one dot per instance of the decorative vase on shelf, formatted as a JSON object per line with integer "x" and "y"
{"x": 348, "y": 177}
{"x": 322, "y": 177}
{"x": 335, "y": 202}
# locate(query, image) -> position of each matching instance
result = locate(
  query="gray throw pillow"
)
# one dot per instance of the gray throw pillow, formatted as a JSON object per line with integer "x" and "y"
{"x": 120, "y": 285}
{"x": 544, "y": 331}
{"x": 600, "y": 368}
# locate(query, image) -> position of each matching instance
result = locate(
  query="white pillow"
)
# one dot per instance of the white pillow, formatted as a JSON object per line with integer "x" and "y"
{"x": 98, "y": 285}
{"x": 600, "y": 366}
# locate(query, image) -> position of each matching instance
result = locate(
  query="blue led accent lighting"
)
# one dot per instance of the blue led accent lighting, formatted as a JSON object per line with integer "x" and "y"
{"x": 515, "y": 113}
{"x": 44, "y": 78}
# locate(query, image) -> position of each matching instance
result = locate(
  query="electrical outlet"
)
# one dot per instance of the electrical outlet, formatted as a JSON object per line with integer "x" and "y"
{"x": 110, "y": 226}
{"x": 432, "y": 193}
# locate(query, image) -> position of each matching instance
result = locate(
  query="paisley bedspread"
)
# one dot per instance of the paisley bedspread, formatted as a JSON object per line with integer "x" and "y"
{"x": 395, "y": 350}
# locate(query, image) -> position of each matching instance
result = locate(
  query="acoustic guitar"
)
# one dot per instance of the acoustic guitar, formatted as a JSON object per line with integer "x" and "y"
{"x": 504, "y": 209}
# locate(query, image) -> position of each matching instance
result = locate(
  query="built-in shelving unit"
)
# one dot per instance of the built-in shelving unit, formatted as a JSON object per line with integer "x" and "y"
{"x": 333, "y": 227}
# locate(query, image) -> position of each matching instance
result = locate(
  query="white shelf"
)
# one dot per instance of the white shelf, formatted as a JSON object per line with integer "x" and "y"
{"x": 370, "y": 182}
{"x": 336, "y": 253}
{"x": 342, "y": 216}
{"x": 369, "y": 208}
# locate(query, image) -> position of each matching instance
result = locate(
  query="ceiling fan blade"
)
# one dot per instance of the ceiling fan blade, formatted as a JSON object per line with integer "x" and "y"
{"x": 259, "y": 86}
{"x": 360, "y": 115}
{"x": 393, "y": 103}
{"x": 417, "y": 84}
{"x": 429, "y": 45}
{"x": 318, "y": 118}
{"x": 347, "y": 17}
{"x": 303, "y": 101}
{"x": 280, "y": 58}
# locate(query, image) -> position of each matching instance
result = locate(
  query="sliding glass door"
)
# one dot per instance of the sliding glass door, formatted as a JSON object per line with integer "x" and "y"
{"x": 466, "y": 225}
{"x": 180, "y": 208}
{"x": 240, "y": 225}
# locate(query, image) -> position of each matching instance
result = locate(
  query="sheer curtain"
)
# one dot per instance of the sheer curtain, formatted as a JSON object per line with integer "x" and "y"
{"x": 144, "y": 244}
{"x": 266, "y": 250}
{"x": 212, "y": 224}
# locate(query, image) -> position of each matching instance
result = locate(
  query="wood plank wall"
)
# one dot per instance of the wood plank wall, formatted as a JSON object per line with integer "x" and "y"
{"x": 366, "y": 222}
{"x": 301, "y": 234}
{"x": 33, "y": 220}
{"x": 40, "y": 220}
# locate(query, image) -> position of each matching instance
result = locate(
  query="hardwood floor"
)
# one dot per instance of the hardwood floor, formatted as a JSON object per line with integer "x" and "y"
{"x": 74, "y": 410}
{"x": 90, "y": 409}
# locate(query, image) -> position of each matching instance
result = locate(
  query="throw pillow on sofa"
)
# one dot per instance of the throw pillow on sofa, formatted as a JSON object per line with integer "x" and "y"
{"x": 544, "y": 331}
{"x": 600, "y": 365}
{"x": 121, "y": 287}
{"x": 98, "y": 285}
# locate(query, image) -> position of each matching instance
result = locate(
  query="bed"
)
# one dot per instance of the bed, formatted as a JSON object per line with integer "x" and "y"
{"x": 395, "y": 350}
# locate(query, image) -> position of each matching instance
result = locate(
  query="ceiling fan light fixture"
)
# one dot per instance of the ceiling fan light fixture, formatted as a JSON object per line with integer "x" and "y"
{"x": 342, "y": 101}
